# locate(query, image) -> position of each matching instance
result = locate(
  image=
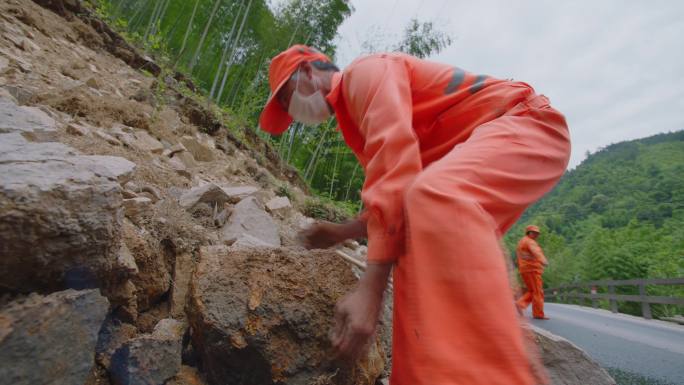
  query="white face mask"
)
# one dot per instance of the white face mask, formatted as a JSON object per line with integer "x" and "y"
{"x": 311, "y": 109}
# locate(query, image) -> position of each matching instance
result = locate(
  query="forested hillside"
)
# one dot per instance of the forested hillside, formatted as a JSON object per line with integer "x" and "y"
{"x": 225, "y": 47}
{"x": 618, "y": 215}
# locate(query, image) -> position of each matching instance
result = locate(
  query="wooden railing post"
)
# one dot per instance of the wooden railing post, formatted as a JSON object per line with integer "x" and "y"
{"x": 593, "y": 291}
{"x": 645, "y": 306}
{"x": 613, "y": 302}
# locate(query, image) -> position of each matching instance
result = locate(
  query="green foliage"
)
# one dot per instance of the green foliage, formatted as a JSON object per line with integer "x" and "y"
{"x": 329, "y": 210}
{"x": 618, "y": 215}
{"x": 422, "y": 39}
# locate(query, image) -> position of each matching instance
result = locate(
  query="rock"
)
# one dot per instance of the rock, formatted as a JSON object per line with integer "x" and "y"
{"x": 112, "y": 335}
{"x": 177, "y": 165}
{"x": 567, "y": 364}
{"x": 117, "y": 168}
{"x": 187, "y": 376}
{"x": 149, "y": 359}
{"x": 4, "y": 64}
{"x": 107, "y": 138}
{"x": 29, "y": 46}
{"x": 77, "y": 129}
{"x": 126, "y": 261}
{"x": 250, "y": 221}
{"x": 221, "y": 218}
{"x": 278, "y": 205}
{"x": 123, "y": 299}
{"x": 182, "y": 273}
{"x": 14, "y": 118}
{"x": 209, "y": 193}
{"x": 137, "y": 206}
{"x": 186, "y": 158}
{"x": 59, "y": 217}
{"x": 176, "y": 148}
{"x": 154, "y": 276}
{"x": 128, "y": 194}
{"x": 50, "y": 339}
{"x": 238, "y": 193}
{"x": 262, "y": 316}
{"x": 21, "y": 95}
{"x": 200, "y": 150}
{"x": 140, "y": 140}
{"x": 93, "y": 83}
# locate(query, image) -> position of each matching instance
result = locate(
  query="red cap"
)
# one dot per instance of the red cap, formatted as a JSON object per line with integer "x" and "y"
{"x": 532, "y": 228}
{"x": 274, "y": 119}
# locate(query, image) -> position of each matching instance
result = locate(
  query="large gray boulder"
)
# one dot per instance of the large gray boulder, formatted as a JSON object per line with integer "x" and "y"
{"x": 150, "y": 359}
{"x": 60, "y": 212}
{"x": 567, "y": 364}
{"x": 262, "y": 316}
{"x": 50, "y": 339}
{"x": 60, "y": 217}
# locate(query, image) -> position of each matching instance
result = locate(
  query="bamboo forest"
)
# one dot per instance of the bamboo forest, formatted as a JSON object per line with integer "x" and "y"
{"x": 226, "y": 45}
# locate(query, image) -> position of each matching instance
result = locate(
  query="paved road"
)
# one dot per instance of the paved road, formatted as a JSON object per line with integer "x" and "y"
{"x": 650, "y": 349}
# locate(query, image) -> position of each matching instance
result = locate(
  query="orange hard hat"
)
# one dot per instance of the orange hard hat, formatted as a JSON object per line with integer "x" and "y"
{"x": 274, "y": 119}
{"x": 532, "y": 228}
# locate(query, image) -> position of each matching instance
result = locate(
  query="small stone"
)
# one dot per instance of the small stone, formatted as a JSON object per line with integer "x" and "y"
{"x": 128, "y": 194}
{"x": 93, "y": 83}
{"x": 176, "y": 148}
{"x": 186, "y": 158}
{"x": 178, "y": 166}
{"x": 201, "y": 151}
{"x": 182, "y": 273}
{"x": 77, "y": 129}
{"x": 29, "y": 46}
{"x": 278, "y": 205}
{"x": 220, "y": 218}
{"x": 209, "y": 193}
{"x": 125, "y": 260}
{"x": 136, "y": 206}
{"x": 108, "y": 138}
{"x": 238, "y": 193}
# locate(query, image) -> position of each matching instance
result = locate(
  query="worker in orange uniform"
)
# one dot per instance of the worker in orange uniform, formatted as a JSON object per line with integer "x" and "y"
{"x": 531, "y": 263}
{"x": 451, "y": 160}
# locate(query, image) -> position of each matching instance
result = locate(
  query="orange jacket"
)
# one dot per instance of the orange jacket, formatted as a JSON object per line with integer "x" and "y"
{"x": 531, "y": 258}
{"x": 398, "y": 114}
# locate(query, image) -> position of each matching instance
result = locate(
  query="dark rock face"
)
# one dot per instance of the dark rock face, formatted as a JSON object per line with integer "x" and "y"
{"x": 50, "y": 339}
{"x": 149, "y": 359}
{"x": 262, "y": 316}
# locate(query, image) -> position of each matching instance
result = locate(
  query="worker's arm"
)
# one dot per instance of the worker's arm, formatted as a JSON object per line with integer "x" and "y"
{"x": 378, "y": 97}
{"x": 356, "y": 315}
{"x": 323, "y": 234}
{"x": 537, "y": 252}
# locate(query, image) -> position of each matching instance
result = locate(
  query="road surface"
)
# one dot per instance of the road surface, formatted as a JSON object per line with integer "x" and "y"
{"x": 635, "y": 350}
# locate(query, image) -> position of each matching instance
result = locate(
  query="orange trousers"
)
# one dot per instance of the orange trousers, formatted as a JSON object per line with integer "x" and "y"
{"x": 534, "y": 294}
{"x": 454, "y": 321}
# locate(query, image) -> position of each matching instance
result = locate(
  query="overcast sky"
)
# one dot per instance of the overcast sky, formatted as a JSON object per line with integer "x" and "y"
{"x": 615, "y": 68}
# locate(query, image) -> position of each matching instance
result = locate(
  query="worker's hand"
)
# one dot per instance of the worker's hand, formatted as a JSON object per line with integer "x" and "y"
{"x": 322, "y": 235}
{"x": 356, "y": 315}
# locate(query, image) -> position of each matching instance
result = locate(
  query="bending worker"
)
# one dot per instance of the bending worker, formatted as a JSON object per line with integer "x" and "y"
{"x": 531, "y": 263}
{"x": 451, "y": 160}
